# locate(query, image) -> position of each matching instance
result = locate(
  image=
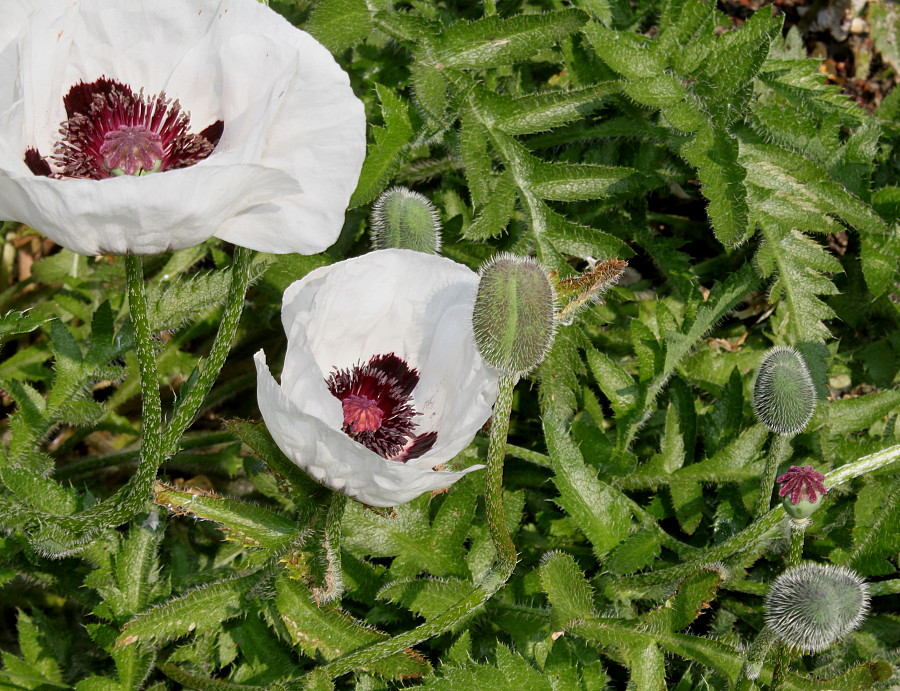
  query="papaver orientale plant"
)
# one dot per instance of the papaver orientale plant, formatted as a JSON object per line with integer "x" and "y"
{"x": 382, "y": 382}
{"x": 140, "y": 127}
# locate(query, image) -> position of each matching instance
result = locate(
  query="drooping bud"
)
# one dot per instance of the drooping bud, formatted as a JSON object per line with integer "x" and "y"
{"x": 403, "y": 219}
{"x": 514, "y": 314}
{"x": 784, "y": 396}
{"x": 577, "y": 292}
{"x": 802, "y": 489}
{"x": 811, "y": 606}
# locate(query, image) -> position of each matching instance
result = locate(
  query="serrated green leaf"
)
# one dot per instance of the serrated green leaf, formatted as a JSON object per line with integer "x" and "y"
{"x": 633, "y": 56}
{"x": 427, "y": 597}
{"x": 568, "y": 183}
{"x": 601, "y": 512}
{"x": 339, "y": 24}
{"x": 715, "y": 155}
{"x": 492, "y": 41}
{"x": 847, "y": 415}
{"x": 476, "y": 161}
{"x": 327, "y": 631}
{"x": 384, "y": 155}
{"x": 693, "y": 596}
{"x": 570, "y": 595}
{"x": 199, "y": 611}
{"x": 493, "y": 218}
{"x": 41, "y": 493}
{"x": 512, "y": 673}
{"x": 543, "y": 111}
{"x": 16, "y": 323}
{"x": 245, "y": 523}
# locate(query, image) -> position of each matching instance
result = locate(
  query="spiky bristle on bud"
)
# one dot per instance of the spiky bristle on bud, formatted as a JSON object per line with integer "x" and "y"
{"x": 811, "y": 606}
{"x": 784, "y": 397}
{"x": 406, "y": 220}
{"x": 514, "y": 314}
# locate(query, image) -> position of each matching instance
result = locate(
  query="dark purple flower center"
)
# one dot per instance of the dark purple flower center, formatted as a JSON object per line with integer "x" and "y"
{"x": 376, "y": 398}
{"x": 802, "y": 483}
{"x": 112, "y": 131}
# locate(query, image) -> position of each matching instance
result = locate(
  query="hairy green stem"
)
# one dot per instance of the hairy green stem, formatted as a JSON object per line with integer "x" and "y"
{"x": 778, "y": 452}
{"x": 189, "y": 406}
{"x": 332, "y": 580}
{"x": 798, "y": 532}
{"x": 782, "y": 655}
{"x": 493, "y": 475}
{"x": 151, "y": 417}
{"x": 756, "y": 658}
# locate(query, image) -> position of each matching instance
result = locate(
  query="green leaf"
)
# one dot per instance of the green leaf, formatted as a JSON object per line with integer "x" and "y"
{"x": 327, "y": 631}
{"x": 798, "y": 262}
{"x": 493, "y": 42}
{"x": 384, "y": 155}
{"x": 540, "y": 112}
{"x": 339, "y": 24}
{"x": 494, "y": 216}
{"x": 246, "y": 523}
{"x": 512, "y": 673}
{"x": 714, "y": 153}
{"x": 570, "y": 595}
{"x": 601, "y": 512}
{"x": 631, "y": 55}
{"x": 568, "y": 183}
{"x": 692, "y": 597}
{"x": 16, "y": 323}
{"x": 427, "y": 597}
{"x": 847, "y": 415}
{"x": 199, "y": 611}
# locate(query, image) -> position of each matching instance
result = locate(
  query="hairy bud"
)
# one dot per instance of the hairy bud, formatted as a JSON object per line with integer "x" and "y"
{"x": 514, "y": 314}
{"x": 403, "y": 219}
{"x": 784, "y": 396}
{"x": 811, "y": 606}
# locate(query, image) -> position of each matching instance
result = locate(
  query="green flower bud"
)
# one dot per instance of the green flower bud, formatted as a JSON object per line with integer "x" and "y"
{"x": 514, "y": 314}
{"x": 784, "y": 396}
{"x": 811, "y": 606}
{"x": 406, "y": 220}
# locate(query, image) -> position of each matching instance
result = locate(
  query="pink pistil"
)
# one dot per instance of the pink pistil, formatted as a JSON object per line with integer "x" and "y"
{"x": 361, "y": 414}
{"x": 132, "y": 149}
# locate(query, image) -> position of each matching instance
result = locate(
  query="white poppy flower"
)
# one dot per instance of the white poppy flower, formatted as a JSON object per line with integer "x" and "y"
{"x": 142, "y": 126}
{"x": 382, "y": 381}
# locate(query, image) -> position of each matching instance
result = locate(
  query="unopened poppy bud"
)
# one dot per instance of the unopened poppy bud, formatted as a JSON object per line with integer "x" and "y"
{"x": 514, "y": 314}
{"x": 406, "y": 220}
{"x": 784, "y": 396}
{"x": 811, "y": 606}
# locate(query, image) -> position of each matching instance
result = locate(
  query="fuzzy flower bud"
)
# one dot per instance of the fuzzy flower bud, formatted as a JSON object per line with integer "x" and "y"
{"x": 403, "y": 219}
{"x": 784, "y": 396}
{"x": 514, "y": 314}
{"x": 811, "y": 606}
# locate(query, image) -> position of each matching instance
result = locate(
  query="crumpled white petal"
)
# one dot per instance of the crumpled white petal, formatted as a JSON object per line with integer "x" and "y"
{"x": 414, "y": 305}
{"x": 279, "y": 179}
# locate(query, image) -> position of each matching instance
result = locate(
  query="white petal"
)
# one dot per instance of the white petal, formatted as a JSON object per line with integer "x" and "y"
{"x": 294, "y": 131}
{"x": 138, "y": 215}
{"x": 335, "y": 460}
{"x": 414, "y": 305}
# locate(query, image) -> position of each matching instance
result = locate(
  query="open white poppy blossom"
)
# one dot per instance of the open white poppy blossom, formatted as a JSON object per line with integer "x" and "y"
{"x": 143, "y": 126}
{"x": 382, "y": 381}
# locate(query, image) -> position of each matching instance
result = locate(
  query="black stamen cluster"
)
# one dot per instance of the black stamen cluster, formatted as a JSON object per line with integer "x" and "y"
{"x": 389, "y": 381}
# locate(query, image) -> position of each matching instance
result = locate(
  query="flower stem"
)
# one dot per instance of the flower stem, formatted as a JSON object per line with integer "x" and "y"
{"x": 798, "y": 531}
{"x": 190, "y": 404}
{"x": 756, "y": 658}
{"x": 493, "y": 491}
{"x": 779, "y": 450}
{"x": 782, "y": 655}
{"x": 151, "y": 418}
